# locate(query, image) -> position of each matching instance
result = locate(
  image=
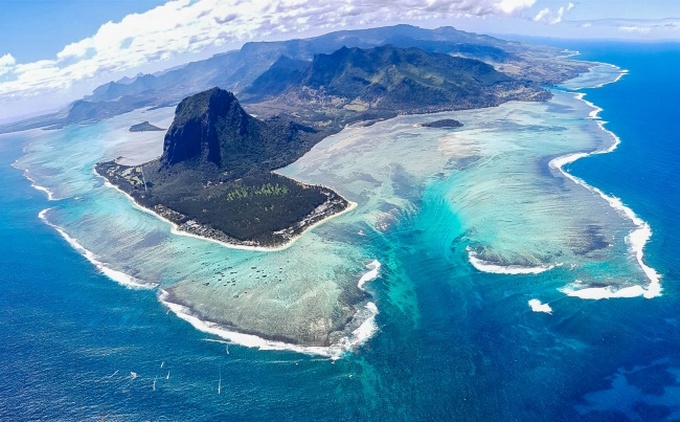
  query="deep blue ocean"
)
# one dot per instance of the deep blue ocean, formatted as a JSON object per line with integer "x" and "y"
{"x": 76, "y": 346}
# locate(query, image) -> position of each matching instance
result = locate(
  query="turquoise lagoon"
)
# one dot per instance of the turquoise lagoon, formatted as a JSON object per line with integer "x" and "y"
{"x": 491, "y": 197}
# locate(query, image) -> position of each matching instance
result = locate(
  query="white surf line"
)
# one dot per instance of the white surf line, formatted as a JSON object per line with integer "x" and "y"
{"x": 336, "y": 351}
{"x": 35, "y": 185}
{"x": 358, "y": 337}
{"x": 176, "y": 230}
{"x": 622, "y": 73}
{"x": 537, "y": 306}
{"x": 488, "y": 267}
{"x": 118, "y": 276}
{"x": 598, "y": 293}
{"x": 371, "y": 275}
{"x": 636, "y": 240}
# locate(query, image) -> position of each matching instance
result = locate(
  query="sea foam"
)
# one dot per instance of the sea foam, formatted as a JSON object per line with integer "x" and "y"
{"x": 372, "y": 274}
{"x": 50, "y": 195}
{"x": 335, "y": 351}
{"x": 489, "y": 267}
{"x": 115, "y": 275}
{"x": 537, "y": 306}
{"x": 636, "y": 240}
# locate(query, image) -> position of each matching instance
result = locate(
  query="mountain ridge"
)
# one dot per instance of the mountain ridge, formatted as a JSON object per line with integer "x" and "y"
{"x": 238, "y": 69}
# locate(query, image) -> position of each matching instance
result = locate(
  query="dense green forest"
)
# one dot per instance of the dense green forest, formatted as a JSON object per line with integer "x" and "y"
{"x": 252, "y": 208}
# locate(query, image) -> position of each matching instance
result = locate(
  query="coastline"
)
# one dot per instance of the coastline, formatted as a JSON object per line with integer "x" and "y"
{"x": 35, "y": 185}
{"x": 636, "y": 239}
{"x": 363, "y": 319}
{"x": 177, "y": 230}
{"x": 365, "y": 330}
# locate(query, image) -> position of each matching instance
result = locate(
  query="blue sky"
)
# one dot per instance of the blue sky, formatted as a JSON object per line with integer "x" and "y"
{"x": 54, "y": 51}
{"x": 38, "y": 29}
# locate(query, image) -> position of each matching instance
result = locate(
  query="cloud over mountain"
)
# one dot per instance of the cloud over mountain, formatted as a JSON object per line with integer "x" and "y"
{"x": 189, "y": 26}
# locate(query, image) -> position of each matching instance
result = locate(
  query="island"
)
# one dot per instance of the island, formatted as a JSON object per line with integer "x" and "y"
{"x": 145, "y": 126}
{"x": 215, "y": 177}
{"x": 444, "y": 123}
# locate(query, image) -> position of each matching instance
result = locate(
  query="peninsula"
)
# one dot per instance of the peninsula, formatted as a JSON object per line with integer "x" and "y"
{"x": 215, "y": 177}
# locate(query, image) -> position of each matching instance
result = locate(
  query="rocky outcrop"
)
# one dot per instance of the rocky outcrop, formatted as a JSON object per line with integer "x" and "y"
{"x": 145, "y": 126}
{"x": 211, "y": 128}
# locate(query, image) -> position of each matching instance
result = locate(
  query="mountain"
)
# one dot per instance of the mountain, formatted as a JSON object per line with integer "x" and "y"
{"x": 283, "y": 74}
{"x": 396, "y": 79}
{"x": 214, "y": 177}
{"x": 83, "y": 111}
{"x": 114, "y": 90}
{"x": 237, "y": 70}
{"x": 211, "y": 128}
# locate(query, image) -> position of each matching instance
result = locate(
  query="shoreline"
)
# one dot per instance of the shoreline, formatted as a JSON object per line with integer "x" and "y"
{"x": 177, "y": 230}
{"x": 364, "y": 317}
{"x": 368, "y": 312}
{"x": 636, "y": 239}
{"x": 34, "y": 184}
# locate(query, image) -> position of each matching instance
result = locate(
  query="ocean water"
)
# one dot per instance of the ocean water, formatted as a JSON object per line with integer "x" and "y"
{"x": 484, "y": 305}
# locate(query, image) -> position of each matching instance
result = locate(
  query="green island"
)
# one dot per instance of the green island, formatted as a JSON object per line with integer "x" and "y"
{"x": 145, "y": 126}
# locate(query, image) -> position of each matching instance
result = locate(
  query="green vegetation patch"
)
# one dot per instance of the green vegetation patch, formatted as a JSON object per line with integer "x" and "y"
{"x": 267, "y": 189}
{"x": 251, "y": 208}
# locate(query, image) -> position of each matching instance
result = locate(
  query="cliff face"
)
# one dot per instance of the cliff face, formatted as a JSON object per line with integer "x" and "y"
{"x": 212, "y": 127}
{"x": 214, "y": 178}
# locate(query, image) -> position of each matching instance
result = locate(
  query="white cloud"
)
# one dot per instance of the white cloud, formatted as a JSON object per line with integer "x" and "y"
{"x": 542, "y": 14}
{"x": 552, "y": 17}
{"x": 75, "y": 50}
{"x": 7, "y": 63}
{"x": 635, "y": 29}
{"x": 189, "y": 26}
{"x": 512, "y": 6}
{"x": 7, "y": 60}
{"x": 651, "y": 29}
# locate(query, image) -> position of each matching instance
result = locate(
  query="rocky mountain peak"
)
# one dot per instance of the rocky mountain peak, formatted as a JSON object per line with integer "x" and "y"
{"x": 209, "y": 126}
